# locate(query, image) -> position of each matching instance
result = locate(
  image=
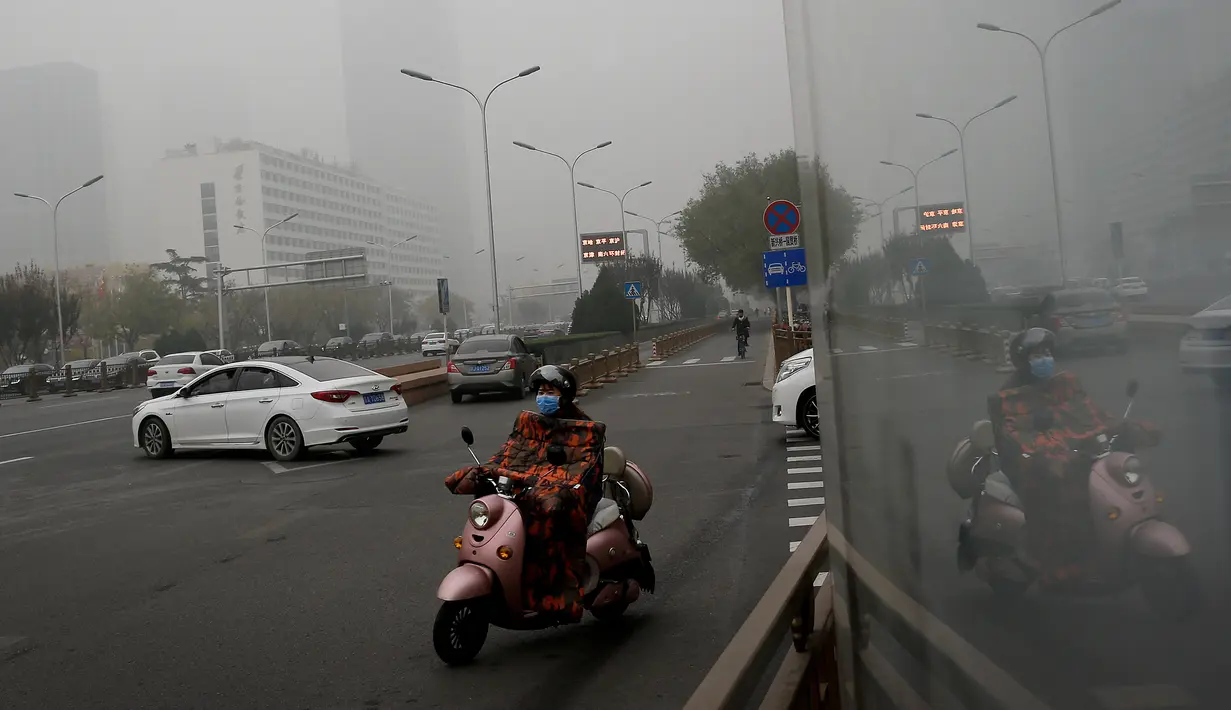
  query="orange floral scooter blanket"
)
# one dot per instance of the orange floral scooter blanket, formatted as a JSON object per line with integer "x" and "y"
{"x": 1051, "y": 478}
{"x": 554, "y": 503}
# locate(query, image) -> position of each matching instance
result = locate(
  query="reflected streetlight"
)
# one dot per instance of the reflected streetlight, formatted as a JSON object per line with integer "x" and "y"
{"x": 915, "y": 175}
{"x": 1051, "y": 142}
{"x": 487, "y": 166}
{"x": 269, "y": 333}
{"x": 880, "y": 206}
{"x": 55, "y": 246}
{"x": 961, "y": 139}
{"x": 572, "y": 178}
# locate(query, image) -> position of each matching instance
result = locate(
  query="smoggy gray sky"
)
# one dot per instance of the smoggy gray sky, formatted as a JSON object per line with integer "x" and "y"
{"x": 677, "y": 86}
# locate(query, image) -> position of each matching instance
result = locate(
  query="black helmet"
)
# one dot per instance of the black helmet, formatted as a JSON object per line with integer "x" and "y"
{"x": 558, "y": 377}
{"x": 1027, "y": 342}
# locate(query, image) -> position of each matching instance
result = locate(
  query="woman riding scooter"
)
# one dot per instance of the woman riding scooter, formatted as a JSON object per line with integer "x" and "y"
{"x": 556, "y": 507}
{"x": 1039, "y": 414}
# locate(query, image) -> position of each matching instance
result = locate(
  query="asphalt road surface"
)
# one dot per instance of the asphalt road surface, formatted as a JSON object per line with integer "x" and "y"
{"x": 904, "y": 408}
{"x": 220, "y": 580}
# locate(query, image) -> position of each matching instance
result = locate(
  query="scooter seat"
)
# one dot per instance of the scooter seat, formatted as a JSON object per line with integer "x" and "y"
{"x": 605, "y": 514}
{"x": 997, "y": 486}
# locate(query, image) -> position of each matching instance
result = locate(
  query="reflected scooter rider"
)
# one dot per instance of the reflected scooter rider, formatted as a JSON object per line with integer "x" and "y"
{"x": 1046, "y": 411}
{"x": 741, "y": 325}
{"x": 555, "y": 507}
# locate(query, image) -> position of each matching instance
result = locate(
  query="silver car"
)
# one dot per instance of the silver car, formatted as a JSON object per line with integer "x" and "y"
{"x": 1085, "y": 317}
{"x": 491, "y": 363}
{"x": 1207, "y": 345}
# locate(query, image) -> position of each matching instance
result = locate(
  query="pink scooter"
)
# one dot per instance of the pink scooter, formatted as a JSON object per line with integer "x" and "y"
{"x": 485, "y": 588}
{"x": 1134, "y": 546}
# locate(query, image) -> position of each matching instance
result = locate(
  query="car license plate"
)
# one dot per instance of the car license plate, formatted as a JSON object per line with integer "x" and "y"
{"x": 376, "y": 398}
{"x": 166, "y": 384}
{"x": 480, "y": 368}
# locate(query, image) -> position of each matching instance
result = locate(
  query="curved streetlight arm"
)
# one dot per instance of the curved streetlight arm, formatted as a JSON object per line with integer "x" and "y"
{"x": 899, "y": 165}
{"x": 477, "y": 100}
{"x": 573, "y": 165}
{"x": 526, "y": 72}
{"x": 635, "y": 187}
{"x": 1009, "y": 100}
{"x": 593, "y": 187}
{"x": 933, "y": 160}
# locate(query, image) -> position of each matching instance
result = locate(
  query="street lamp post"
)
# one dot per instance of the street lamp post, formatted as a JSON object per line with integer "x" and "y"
{"x": 487, "y": 169}
{"x": 55, "y": 246}
{"x": 658, "y": 228}
{"x": 880, "y": 207}
{"x": 1051, "y": 142}
{"x": 961, "y": 140}
{"x": 389, "y": 270}
{"x": 623, "y": 229}
{"x": 572, "y": 178}
{"x": 269, "y": 333}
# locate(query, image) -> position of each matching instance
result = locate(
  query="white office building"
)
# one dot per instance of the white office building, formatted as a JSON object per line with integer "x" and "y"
{"x": 203, "y": 195}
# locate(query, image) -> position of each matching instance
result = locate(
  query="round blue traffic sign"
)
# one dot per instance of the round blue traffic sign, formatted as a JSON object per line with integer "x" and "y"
{"x": 782, "y": 217}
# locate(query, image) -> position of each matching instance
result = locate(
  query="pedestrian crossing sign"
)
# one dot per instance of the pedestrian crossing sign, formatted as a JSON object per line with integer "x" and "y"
{"x": 918, "y": 267}
{"x": 632, "y": 290}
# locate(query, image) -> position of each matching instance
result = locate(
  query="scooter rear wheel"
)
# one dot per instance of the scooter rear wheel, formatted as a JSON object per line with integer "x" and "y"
{"x": 460, "y": 631}
{"x": 1171, "y": 588}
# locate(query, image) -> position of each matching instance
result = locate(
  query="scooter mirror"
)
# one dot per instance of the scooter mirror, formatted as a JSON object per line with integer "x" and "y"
{"x": 467, "y": 436}
{"x": 1131, "y": 389}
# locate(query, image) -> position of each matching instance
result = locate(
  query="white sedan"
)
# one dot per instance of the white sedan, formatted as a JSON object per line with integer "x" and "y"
{"x": 1206, "y": 347}
{"x": 283, "y": 405}
{"x": 794, "y": 394}
{"x": 174, "y": 371}
{"x": 438, "y": 344}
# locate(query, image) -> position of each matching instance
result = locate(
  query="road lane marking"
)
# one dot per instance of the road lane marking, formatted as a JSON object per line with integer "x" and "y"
{"x": 820, "y": 579}
{"x": 728, "y": 358}
{"x": 801, "y": 502}
{"x": 692, "y": 361}
{"x": 802, "y": 522}
{"x": 1144, "y": 697}
{"x": 835, "y": 351}
{"x": 907, "y": 377}
{"x": 65, "y": 426}
{"x": 793, "y": 459}
{"x": 78, "y": 403}
{"x": 873, "y": 351}
{"x": 804, "y": 469}
{"x": 868, "y": 348}
{"x": 908, "y": 344}
{"x": 795, "y": 545}
{"x": 23, "y": 458}
{"x": 706, "y": 364}
{"x": 801, "y": 485}
{"x": 813, "y": 447}
{"x": 655, "y": 363}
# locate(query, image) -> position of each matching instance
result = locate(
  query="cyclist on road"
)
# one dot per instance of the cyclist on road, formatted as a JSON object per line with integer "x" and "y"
{"x": 741, "y": 326}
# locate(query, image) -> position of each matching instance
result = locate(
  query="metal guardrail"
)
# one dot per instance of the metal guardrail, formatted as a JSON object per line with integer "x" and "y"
{"x": 791, "y": 608}
{"x": 664, "y": 346}
{"x": 598, "y": 369}
{"x": 840, "y": 611}
{"x": 94, "y": 379}
{"x": 788, "y": 343}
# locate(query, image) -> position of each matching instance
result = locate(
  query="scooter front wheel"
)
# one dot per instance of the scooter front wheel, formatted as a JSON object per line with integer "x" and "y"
{"x": 460, "y": 631}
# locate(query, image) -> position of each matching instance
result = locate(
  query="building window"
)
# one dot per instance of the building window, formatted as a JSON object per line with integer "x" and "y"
{"x": 209, "y": 222}
{"x": 209, "y": 206}
{"x": 207, "y": 189}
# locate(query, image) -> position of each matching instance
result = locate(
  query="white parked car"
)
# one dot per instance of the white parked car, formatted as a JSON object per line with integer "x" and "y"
{"x": 794, "y": 394}
{"x": 224, "y": 355}
{"x": 438, "y": 344}
{"x": 174, "y": 371}
{"x": 1130, "y": 287}
{"x": 1206, "y": 347}
{"x": 283, "y": 405}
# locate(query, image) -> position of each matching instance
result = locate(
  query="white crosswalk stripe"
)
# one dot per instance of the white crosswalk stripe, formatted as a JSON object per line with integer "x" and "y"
{"x": 728, "y": 358}
{"x": 805, "y": 487}
{"x": 652, "y": 363}
{"x": 692, "y": 361}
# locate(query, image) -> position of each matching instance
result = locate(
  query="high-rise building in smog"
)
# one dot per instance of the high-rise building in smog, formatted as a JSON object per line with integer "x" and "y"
{"x": 406, "y": 133}
{"x": 51, "y": 141}
{"x": 204, "y": 195}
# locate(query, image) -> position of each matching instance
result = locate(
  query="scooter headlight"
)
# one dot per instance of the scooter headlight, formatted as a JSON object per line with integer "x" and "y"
{"x": 480, "y": 516}
{"x": 1131, "y": 471}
